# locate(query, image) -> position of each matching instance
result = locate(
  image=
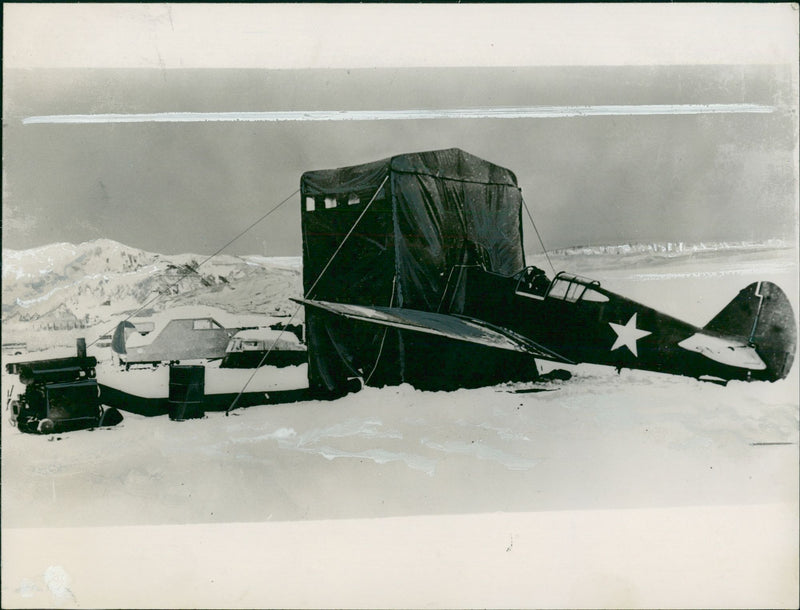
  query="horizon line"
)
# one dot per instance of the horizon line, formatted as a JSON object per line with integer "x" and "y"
{"x": 658, "y": 247}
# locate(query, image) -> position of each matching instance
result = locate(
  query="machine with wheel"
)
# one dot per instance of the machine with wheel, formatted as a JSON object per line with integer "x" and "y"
{"x": 61, "y": 394}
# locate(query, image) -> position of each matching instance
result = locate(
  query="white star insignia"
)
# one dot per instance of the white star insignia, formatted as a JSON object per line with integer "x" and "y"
{"x": 628, "y": 335}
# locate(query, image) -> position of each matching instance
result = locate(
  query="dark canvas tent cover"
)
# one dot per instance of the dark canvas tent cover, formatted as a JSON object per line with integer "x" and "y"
{"x": 389, "y": 233}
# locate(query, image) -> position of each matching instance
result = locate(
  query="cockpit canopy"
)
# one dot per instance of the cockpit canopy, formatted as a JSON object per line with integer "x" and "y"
{"x": 565, "y": 286}
{"x": 573, "y": 288}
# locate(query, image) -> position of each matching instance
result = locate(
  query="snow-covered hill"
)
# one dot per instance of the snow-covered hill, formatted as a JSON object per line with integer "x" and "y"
{"x": 61, "y": 287}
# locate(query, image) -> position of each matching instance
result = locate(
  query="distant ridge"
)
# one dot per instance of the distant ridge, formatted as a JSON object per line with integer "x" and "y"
{"x": 669, "y": 248}
{"x": 672, "y": 248}
{"x": 79, "y": 285}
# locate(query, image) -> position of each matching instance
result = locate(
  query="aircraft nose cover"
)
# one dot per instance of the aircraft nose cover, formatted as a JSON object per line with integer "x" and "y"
{"x": 442, "y": 200}
{"x": 425, "y": 213}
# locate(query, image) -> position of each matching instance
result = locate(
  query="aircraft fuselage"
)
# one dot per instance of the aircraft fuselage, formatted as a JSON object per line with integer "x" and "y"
{"x": 582, "y": 322}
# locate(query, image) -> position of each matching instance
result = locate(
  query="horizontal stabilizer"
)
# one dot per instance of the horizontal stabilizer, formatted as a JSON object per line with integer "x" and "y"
{"x": 724, "y": 350}
{"x": 443, "y": 325}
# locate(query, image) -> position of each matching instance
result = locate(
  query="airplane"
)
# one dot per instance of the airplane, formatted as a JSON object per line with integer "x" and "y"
{"x": 430, "y": 244}
{"x": 572, "y": 319}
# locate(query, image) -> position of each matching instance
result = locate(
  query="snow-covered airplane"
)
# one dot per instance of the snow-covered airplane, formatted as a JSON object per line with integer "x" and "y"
{"x": 573, "y": 319}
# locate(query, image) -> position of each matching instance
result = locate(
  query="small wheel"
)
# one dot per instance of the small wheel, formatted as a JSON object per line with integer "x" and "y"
{"x": 46, "y": 426}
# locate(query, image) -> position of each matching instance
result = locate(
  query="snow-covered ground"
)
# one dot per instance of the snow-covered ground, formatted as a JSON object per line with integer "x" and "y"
{"x": 631, "y": 489}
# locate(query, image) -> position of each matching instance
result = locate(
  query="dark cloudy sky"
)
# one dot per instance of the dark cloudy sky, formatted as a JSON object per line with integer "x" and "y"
{"x": 178, "y": 187}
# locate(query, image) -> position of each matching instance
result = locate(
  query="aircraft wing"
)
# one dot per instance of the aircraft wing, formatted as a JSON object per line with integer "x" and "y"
{"x": 459, "y": 328}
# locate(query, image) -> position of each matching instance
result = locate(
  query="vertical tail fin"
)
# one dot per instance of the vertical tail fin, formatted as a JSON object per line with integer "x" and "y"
{"x": 762, "y": 315}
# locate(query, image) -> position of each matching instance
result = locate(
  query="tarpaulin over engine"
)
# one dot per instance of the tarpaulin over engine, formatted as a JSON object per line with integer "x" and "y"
{"x": 390, "y": 233}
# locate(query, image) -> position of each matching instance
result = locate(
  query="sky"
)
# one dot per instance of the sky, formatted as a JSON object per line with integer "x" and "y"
{"x": 589, "y": 180}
